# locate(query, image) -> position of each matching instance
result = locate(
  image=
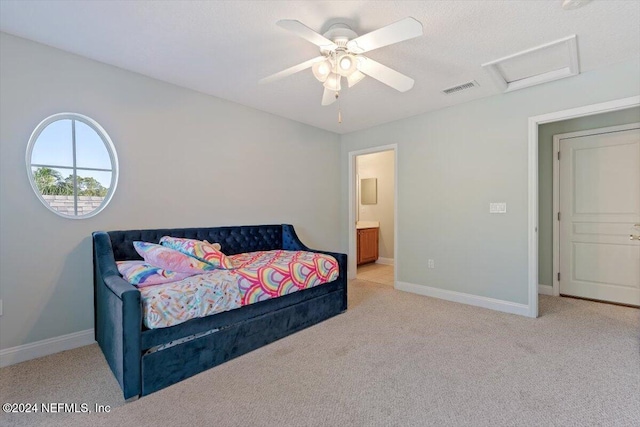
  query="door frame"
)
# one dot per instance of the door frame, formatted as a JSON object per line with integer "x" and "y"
{"x": 556, "y": 187}
{"x": 532, "y": 231}
{"x": 352, "y": 255}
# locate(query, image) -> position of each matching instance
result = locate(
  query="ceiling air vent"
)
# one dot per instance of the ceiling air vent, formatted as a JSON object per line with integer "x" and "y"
{"x": 461, "y": 87}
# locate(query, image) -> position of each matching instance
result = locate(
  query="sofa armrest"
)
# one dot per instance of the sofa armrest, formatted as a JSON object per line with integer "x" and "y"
{"x": 118, "y": 317}
{"x": 342, "y": 273}
{"x": 119, "y": 286}
{"x": 341, "y": 258}
{"x": 290, "y": 240}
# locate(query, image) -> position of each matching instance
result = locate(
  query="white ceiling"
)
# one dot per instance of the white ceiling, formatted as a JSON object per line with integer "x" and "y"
{"x": 223, "y": 48}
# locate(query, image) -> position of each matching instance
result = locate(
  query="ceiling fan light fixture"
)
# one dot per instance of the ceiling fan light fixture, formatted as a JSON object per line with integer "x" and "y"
{"x": 347, "y": 64}
{"x": 321, "y": 70}
{"x": 355, "y": 77}
{"x": 333, "y": 82}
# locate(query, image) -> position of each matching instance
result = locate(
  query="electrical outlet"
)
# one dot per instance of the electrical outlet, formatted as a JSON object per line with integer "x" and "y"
{"x": 431, "y": 264}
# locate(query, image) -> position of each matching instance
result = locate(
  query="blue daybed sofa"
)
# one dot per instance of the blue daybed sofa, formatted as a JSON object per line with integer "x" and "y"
{"x": 118, "y": 312}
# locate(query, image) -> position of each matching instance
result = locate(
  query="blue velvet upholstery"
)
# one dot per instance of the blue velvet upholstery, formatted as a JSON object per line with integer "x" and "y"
{"x": 118, "y": 312}
{"x": 233, "y": 240}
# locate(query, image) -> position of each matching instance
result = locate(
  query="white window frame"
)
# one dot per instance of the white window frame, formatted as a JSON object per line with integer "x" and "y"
{"x": 110, "y": 149}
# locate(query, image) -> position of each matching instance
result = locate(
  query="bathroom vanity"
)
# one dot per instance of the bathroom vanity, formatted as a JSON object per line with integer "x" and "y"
{"x": 368, "y": 236}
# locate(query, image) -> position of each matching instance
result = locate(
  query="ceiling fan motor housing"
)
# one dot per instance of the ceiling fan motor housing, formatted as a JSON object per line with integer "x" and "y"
{"x": 342, "y": 61}
{"x": 340, "y": 34}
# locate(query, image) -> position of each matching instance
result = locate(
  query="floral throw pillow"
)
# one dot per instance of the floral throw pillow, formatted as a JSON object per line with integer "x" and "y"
{"x": 200, "y": 250}
{"x": 170, "y": 259}
{"x": 141, "y": 274}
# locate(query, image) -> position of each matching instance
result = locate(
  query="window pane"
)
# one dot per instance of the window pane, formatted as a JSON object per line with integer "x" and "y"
{"x": 56, "y": 187}
{"x": 92, "y": 189}
{"x": 54, "y": 145}
{"x": 60, "y": 170}
{"x": 90, "y": 150}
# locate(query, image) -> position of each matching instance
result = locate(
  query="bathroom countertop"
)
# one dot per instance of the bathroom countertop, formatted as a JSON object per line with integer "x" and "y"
{"x": 367, "y": 224}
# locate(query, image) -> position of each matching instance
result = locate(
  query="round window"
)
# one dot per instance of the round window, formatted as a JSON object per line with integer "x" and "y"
{"x": 72, "y": 165}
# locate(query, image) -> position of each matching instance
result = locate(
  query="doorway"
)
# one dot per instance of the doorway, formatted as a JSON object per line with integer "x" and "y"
{"x": 375, "y": 183}
{"x": 533, "y": 183}
{"x": 373, "y": 224}
{"x": 597, "y": 209}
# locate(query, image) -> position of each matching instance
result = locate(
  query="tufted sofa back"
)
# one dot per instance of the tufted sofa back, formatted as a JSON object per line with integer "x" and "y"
{"x": 234, "y": 240}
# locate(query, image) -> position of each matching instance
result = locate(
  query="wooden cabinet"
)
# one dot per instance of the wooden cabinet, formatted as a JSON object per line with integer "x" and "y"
{"x": 367, "y": 245}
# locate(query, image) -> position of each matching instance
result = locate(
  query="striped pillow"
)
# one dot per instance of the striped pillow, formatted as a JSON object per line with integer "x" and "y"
{"x": 141, "y": 274}
{"x": 170, "y": 259}
{"x": 201, "y": 250}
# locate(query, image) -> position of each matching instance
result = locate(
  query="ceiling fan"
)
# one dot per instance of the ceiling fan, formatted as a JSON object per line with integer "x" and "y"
{"x": 341, "y": 55}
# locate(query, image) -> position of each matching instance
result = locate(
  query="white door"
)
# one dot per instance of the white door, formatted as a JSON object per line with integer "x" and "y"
{"x": 600, "y": 215}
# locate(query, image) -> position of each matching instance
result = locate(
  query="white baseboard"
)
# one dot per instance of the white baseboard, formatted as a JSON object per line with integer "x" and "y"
{"x": 385, "y": 261}
{"x": 22, "y": 353}
{"x": 485, "y": 302}
{"x": 545, "y": 289}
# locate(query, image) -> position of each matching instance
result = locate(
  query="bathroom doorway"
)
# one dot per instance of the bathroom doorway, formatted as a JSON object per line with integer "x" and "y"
{"x": 373, "y": 222}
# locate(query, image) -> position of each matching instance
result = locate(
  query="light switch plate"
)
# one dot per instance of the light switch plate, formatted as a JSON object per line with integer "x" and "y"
{"x": 500, "y": 207}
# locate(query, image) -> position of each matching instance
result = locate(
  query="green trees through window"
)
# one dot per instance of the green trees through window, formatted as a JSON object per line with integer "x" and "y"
{"x": 51, "y": 182}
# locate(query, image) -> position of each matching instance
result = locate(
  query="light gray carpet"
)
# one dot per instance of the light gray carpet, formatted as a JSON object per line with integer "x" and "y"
{"x": 393, "y": 359}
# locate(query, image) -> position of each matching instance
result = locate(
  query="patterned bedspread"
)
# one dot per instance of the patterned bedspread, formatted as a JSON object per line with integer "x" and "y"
{"x": 258, "y": 276}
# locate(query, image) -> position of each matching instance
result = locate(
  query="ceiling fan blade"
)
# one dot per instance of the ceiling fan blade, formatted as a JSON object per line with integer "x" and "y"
{"x": 402, "y": 30}
{"x": 328, "y": 97}
{"x": 292, "y": 70}
{"x": 385, "y": 74}
{"x": 306, "y": 33}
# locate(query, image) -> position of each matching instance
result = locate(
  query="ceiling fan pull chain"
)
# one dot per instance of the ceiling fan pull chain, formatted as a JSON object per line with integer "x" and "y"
{"x": 339, "y": 77}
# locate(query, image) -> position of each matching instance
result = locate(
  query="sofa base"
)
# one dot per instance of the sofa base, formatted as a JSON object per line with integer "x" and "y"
{"x": 169, "y": 366}
{"x": 202, "y": 343}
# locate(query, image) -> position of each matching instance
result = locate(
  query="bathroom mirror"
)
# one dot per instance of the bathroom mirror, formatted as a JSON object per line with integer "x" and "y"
{"x": 369, "y": 191}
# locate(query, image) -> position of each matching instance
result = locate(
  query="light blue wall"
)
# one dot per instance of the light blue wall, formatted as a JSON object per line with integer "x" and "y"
{"x": 453, "y": 162}
{"x": 186, "y": 160}
{"x": 545, "y": 177}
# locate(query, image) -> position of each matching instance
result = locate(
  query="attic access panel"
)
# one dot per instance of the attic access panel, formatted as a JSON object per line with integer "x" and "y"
{"x": 541, "y": 64}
